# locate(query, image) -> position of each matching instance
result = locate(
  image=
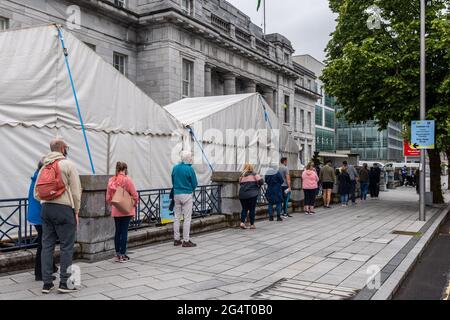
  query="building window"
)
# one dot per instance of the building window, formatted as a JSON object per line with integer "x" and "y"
{"x": 120, "y": 3}
{"x": 188, "y": 6}
{"x": 319, "y": 116}
{"x": 120, "y": 63}
{"x": 309, "y": 84}
{"x": 302, "y": 119}
{"x": 309, "y": 123}
{"x": 295, "y": 119}
{"x": 329, "y": 119}
{"x": 92, "y": 46}
{"x": 286, "y": 109}
{"x": 188, "y": 75}
{"x": 286, "y": 58}
{"x": 4, "y": 24}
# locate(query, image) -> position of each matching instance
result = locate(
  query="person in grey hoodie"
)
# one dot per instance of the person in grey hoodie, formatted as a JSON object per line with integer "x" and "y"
{"x": 60, "y": 218}
{"x": 354, "y": 176}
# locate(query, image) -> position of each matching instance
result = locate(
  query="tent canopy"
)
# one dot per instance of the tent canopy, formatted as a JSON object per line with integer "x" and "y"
{"x": 240, "y": 122}
{"x": 36, "y": 90}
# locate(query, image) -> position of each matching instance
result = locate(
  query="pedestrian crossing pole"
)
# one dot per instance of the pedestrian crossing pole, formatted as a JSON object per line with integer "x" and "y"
{"x": 422, "y": 212}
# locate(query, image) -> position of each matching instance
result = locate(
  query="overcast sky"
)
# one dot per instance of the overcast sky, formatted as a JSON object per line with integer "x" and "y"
{"x": 307, "y": 23}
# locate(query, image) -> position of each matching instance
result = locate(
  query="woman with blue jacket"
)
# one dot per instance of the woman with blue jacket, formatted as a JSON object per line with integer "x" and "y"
{"x": 34, "y": 218}
{"x": 274, "y": 193}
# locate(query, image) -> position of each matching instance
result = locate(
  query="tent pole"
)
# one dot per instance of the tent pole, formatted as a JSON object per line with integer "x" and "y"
{"x": 66, "y": 54}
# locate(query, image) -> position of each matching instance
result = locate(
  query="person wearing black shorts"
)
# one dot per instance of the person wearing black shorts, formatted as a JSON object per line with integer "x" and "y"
{"x": 328, "y": 178}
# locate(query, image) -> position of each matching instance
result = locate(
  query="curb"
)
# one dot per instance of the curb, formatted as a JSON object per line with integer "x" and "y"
{"x": 395, "y": 280}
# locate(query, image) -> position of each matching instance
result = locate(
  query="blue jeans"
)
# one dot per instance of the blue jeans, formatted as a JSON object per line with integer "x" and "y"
{"x": 121, "y": 236}
{"x": 278, "y": 208}
{"x": 248, "y": 206}
{"x": 286, "y": 198}
{"x": 364, "y": 190}
{"x": 344, "y": 198}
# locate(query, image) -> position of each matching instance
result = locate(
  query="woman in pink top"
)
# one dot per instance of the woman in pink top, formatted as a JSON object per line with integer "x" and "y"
{"x": 310, "y": 182}
{"x": 121, "y": 220}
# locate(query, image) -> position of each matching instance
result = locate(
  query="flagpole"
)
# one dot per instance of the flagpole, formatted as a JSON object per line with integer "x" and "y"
{"x": 264, "y": 17}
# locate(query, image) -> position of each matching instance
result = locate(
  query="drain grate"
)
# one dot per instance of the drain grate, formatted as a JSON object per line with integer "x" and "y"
{"x": 291, "y": 289}
{"x": 408, "y": 233}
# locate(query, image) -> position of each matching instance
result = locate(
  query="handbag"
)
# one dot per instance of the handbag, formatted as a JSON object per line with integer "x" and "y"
{"x": 123, "y": 201}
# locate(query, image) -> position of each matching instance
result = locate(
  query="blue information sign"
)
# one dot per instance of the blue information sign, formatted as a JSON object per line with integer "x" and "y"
{"x": 166, "y": 214}
{"x": 422, "y": 134}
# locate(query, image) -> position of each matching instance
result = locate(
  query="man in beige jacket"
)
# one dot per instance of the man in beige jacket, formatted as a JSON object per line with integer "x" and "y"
{"x": 60, "y": 219}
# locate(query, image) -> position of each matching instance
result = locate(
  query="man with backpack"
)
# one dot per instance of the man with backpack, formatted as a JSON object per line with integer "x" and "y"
{"x": 58, "y": 187}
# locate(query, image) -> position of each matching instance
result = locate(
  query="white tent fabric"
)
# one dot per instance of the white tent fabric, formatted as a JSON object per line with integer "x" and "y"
{"x": 234, "y": 130}
{"x": 37, "y": 104}
{"x": 122, "y": 123}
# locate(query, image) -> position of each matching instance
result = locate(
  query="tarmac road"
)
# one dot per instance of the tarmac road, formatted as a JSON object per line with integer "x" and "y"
{"x": 430, "y": 278}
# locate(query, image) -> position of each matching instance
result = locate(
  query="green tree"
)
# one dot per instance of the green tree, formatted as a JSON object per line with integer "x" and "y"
{"x": 375, "y": 72}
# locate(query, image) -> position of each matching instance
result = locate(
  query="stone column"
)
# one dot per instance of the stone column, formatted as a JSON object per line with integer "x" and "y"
{"x": 250, "y": 86}
{"x": 230, "y": 83}
{"x": 96, "y": 229}
{"x": 208, "y": 81}
{"x": 230, "y": 191}
{"x": 297, "y": 195}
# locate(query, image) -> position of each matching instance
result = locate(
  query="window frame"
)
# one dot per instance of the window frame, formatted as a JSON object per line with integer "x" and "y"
{"x": 125, "y": 62}
{"x": 120, "y": 3}
{"x": 287, "y": 111}
{"x": 4, "y": 23}
{"x": 189, "y": 81}
{"x": 188, "y": 7}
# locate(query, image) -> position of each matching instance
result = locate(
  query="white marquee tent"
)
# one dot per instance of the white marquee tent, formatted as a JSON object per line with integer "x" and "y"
{"x": 37, "y": 104}
{"x": 233, "y": 130}
{"x": 122, "y": 123}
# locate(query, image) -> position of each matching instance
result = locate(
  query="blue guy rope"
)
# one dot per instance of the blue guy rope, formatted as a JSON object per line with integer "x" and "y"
{"x": 201, "y": 148}
{"x": 266, "y": 115}
{"x": 66, "y": 54}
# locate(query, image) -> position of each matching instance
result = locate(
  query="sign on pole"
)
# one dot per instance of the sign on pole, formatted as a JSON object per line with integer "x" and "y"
{"x": 409, "y": 150}
{"x": 422, "y": 134}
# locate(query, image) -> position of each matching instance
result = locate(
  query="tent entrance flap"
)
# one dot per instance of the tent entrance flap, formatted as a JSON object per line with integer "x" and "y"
{"x": 66, "y": 54}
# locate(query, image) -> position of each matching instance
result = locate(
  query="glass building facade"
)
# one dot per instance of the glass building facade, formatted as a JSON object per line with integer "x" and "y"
{"x": 325, "y": 124}
{"x": 370, "y": 143}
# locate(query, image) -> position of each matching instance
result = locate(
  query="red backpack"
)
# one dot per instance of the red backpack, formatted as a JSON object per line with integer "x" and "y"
{"x": 50, "y": 185}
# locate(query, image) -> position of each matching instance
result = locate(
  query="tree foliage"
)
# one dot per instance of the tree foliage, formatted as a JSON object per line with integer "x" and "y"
{"x": 375, "y": 74}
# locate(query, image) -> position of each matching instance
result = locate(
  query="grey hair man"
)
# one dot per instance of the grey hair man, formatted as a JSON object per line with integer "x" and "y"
{"x": 58, "y": 187}
{"x": 184, "y": 182}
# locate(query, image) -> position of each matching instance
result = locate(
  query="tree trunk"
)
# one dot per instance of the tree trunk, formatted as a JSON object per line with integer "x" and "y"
{"x": 435, "y": 175}
{"x": 447, "y": 152}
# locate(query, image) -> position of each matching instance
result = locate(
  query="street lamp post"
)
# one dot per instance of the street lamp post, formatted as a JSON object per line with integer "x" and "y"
{"x": 422, "y": 213}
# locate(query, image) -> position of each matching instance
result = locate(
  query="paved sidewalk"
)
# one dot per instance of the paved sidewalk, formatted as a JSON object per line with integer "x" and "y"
{"x": 325, "y": 256}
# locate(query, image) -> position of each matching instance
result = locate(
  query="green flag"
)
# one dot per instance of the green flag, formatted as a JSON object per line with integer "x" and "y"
{"x": 259, "y": 5}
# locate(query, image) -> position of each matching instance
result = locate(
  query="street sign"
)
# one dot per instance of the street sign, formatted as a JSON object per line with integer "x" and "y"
{"x": 409, "y": 150}
{"x": 422, "y": 134}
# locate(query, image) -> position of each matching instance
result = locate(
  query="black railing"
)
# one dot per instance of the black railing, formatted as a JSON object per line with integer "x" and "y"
{"x": 15, "y": 231}
{"x": 207, "y": 201}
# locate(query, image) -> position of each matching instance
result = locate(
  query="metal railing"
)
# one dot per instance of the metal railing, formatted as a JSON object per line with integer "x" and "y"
{"x": 15, "y": 231}
{"x": 207, "y": 201}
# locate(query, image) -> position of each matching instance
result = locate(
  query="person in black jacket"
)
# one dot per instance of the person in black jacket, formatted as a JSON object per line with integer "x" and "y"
{"x": 374, "y": 181}
{"x": 345, "y": 186}
{"x": 250, "y": 184}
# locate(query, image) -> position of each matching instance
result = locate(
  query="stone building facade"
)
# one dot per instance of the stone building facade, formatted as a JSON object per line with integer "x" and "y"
{"x": 325, "y": 107}
{"x": 174, "y": 49}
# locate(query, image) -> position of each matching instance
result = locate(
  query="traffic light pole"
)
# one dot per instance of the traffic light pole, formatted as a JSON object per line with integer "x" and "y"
{"x": 422, "y": 212}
